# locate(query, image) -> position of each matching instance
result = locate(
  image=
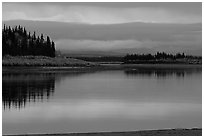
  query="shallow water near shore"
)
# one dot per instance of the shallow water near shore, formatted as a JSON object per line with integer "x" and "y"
{"x": 101, "y": 100}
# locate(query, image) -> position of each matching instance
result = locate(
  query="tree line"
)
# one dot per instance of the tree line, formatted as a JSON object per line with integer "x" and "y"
{"x": 158, "y": 56}
{"x": 17, "y": 41}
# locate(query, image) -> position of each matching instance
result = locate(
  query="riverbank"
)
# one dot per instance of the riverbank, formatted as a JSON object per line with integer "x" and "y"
{"x": 43, "y": 61}
{"x": 161, "y": 132}
{"x": 37, "y": 61}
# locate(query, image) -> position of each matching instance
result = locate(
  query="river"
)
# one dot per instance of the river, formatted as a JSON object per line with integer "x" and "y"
{"x": 101, "y": 100}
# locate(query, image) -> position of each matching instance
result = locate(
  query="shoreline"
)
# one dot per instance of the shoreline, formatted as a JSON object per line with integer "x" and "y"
{"x": 43, "y": 61}
{"x": 159, "y": 132}
{"x": 98, "y": 68}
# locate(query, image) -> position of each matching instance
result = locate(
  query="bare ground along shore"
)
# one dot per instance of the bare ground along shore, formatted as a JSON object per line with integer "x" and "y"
{"x": 162, "y": 132}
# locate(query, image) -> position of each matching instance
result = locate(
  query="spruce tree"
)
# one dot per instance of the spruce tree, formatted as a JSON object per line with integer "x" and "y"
{"x": 53, "y": 49}
{"x": 16, "y": 41}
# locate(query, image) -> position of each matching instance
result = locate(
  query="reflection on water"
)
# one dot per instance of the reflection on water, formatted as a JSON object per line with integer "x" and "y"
{"x": 109, "y": 100}
{"x": 21, "y": 88}
{"x": 161, "y": 73}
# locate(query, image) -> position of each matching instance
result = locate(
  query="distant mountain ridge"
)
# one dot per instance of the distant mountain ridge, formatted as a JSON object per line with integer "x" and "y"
{"x": 171, "y": 38}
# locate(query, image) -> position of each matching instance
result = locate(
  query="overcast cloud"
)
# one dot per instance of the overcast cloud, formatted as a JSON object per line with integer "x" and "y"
{"x": 104, "y": 13}
{"x": 112, "y": 26}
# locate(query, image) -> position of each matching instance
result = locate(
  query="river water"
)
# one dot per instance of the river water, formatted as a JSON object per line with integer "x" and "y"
{"x": 105, "y": 100}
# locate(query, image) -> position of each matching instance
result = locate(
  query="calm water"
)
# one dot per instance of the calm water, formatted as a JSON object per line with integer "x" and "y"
{"x": 111, "y": 100}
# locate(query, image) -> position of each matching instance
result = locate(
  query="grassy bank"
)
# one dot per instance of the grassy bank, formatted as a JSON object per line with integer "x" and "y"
{"x": 43, "y": 61}
{"x": 162, "y": 132}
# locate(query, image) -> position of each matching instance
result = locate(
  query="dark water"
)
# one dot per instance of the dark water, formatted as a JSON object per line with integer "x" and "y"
{"x": 111, "y": 100}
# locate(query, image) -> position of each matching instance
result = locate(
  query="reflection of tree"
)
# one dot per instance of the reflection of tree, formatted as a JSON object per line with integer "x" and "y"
{"x": 161, "y": 73}
{"x": 21, "y": 88}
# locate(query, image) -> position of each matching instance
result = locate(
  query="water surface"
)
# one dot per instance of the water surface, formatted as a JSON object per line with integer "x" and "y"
{"x": 109, "y": 100}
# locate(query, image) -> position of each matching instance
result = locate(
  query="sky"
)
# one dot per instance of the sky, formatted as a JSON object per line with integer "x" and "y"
{"x": 113, "y": 27}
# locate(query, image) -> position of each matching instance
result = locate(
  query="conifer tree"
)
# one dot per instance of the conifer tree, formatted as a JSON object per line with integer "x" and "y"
{"x": 16, "y": 41}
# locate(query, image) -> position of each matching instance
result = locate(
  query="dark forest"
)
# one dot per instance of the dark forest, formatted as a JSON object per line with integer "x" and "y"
{"x": 17, "y": 41}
